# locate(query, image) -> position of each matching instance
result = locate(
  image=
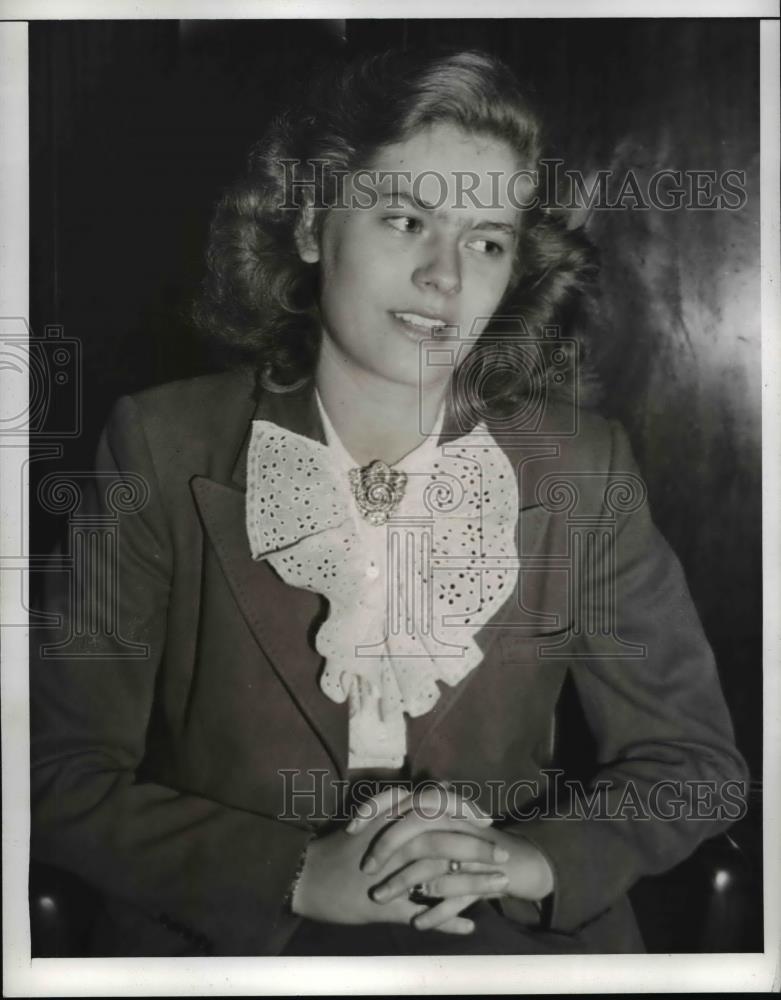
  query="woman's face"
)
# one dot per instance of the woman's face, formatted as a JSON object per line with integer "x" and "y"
{"x": 430, "y": 258}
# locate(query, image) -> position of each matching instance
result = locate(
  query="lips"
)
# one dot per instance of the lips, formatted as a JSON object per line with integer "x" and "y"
{"x": 420, "y": 324}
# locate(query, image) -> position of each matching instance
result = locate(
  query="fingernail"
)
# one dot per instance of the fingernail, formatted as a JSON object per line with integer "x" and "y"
{"x": 423, "y": 923}
{"x": 380, "y": 893}
{"x": 498, "y": 879}
{"x": 351, "y": 826}
{"x": 369, "y": 866}
{"x": 500, "y": 854}
{"x": 467, "y": 927}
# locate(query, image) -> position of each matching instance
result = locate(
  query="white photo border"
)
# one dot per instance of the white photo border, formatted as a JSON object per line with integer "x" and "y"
{"x": 403, "y": 974}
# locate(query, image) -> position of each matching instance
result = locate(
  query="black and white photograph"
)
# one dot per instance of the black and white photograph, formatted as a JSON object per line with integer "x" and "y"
{"x": 390, "y": 542}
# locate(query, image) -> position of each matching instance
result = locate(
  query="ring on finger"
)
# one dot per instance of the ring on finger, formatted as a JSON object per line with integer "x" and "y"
{"x": 454, "y": 867}
{"x": 419, "y": 894}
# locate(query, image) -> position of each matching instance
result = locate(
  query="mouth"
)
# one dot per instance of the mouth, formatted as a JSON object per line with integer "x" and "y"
{"x": 419, "y": 326}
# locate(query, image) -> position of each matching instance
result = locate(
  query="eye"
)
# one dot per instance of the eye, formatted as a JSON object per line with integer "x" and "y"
{"x": 404, "y": 223}
{"x": 488, "y": 247}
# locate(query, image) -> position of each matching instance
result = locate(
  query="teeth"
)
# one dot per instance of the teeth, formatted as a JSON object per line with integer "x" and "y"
{"x": 429, "y": 324}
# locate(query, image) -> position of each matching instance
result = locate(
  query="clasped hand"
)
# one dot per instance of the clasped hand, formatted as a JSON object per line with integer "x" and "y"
{"x": 364, "y": 873}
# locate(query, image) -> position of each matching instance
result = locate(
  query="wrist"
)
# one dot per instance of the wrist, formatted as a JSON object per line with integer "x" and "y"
{"x": 296, "y": 890}
{"x": 529, "y": 872}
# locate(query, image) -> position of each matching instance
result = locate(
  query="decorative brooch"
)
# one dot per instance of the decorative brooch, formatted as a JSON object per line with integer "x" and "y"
{"x": 378, "y": 491}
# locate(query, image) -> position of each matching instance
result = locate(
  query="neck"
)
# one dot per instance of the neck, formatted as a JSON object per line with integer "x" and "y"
{"x": 375, "y": 418}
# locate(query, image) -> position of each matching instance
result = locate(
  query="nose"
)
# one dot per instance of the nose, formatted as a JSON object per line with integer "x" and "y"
{"x": 441, "y": 270}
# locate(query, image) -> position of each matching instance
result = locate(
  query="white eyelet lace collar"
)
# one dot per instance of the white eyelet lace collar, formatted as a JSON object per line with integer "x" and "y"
{"x": 405, "y": 598}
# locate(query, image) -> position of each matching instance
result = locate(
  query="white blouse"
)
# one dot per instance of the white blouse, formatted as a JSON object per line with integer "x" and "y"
{"x": 406, "y": 597}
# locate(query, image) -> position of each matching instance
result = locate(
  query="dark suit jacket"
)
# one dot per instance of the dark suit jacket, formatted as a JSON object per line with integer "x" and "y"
{"x": 157, "y": 778}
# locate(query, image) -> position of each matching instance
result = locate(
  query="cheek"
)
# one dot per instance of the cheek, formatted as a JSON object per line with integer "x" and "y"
{"x": 337, "y": 245}
{"x": 347, "y": 290}
{"x": 355, "y": 265}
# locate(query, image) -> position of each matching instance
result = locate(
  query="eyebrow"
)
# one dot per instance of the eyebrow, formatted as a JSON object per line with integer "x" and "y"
{"x": 487, "y": 224}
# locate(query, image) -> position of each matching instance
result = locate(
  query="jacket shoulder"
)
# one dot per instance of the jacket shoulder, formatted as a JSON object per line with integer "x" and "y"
{"x": 589, "y": 441}
{"x": 197, "y": 400}
{"x": 194, "y": 425}
{"x": 579, "y": 438}
{"x": 571, "y": 449}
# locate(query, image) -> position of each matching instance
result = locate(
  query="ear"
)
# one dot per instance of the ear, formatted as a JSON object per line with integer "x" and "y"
{"x": 305, "y": 236}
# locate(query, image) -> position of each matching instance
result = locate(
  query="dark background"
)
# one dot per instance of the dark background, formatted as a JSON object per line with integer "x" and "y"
{"x": 136, "y": 126}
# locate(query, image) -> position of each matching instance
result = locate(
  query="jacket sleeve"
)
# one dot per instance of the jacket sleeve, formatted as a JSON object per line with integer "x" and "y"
{"x": 216, "y": 875}
{"x": 669, "y": 772}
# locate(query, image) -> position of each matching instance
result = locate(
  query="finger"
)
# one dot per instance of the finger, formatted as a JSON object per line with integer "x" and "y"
{"x": 413, "y": 839}
{"x": 387, "y": 803}
{"x": 482, "y": 885}
{"x": 434, "y": 802}
{"x": 404, "y": 881}
{"x": 427, "y": 872}
{"x": 409, "y": 913}
{"x": 457, "y": 925}
{"x": 440, "y": 914}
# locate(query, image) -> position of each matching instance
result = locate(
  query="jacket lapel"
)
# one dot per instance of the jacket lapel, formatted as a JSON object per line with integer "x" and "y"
{"x": 283, "y": 619}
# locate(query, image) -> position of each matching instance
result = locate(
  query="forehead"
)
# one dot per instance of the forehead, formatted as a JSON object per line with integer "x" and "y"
{"x": 451, "y": 169}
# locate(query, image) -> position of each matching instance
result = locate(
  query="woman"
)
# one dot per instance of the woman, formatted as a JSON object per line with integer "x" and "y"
{"x": 355, "y": 560}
